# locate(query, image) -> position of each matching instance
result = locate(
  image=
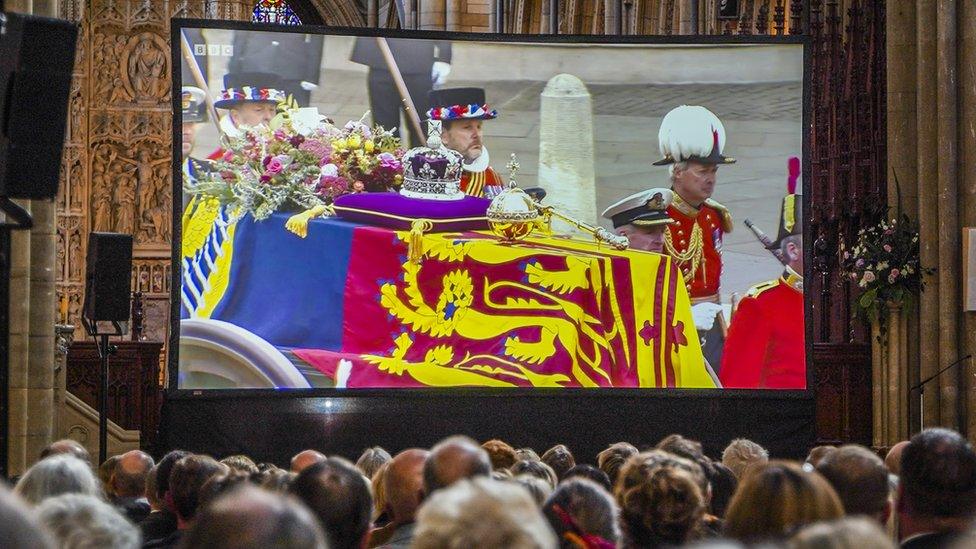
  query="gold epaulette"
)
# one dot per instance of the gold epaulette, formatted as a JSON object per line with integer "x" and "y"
{"x": 724, "y": 212}
{"x": 762, "y": 287}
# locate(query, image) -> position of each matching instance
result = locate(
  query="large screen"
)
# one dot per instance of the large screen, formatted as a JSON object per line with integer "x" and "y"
{"x": 375, "y": 212}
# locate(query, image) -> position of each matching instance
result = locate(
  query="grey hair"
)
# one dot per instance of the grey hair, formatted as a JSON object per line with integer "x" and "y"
{"x": 481, "y": 512}
{"x": 741, "y": 453}
{"x": 792, "y": 239}
{"x": 18, "y": 525}
{"x": 56, "y": 475}
{"x": 672, "y": 167}
{"x": 80, "y": 521}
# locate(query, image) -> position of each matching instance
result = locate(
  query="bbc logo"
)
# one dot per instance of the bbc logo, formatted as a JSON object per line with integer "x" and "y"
{"x": 214, "y": 50}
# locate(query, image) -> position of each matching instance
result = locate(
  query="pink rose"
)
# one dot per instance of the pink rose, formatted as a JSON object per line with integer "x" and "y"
{"x": 274, "y": 167}
{"x": 895, "y": 273}
{"x": 228, "y": 156}
{"x": 869, "y": 276}
{"x": 887, "y": 248}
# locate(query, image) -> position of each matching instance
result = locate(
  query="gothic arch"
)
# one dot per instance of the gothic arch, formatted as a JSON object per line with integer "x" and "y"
{"x": 333, "y": 13}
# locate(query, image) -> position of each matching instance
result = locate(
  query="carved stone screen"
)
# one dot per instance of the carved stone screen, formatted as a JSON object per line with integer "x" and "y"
{"x": 322, "y": 245}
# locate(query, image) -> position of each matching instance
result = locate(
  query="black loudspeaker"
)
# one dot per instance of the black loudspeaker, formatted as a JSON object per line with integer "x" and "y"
{"x": 109, "y": 265}
{"x": 37, "y": 56}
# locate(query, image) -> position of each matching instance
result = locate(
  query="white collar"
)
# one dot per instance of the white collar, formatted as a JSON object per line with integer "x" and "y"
{"x": 228, "y": 127}
{"x": 480, "y": 164}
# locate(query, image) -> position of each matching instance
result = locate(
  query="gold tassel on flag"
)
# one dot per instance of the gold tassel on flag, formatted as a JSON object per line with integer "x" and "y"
{"x": 415, "y": 246}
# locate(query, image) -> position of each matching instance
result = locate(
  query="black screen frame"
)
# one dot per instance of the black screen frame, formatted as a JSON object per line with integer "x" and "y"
{"x": 775, "y": 395}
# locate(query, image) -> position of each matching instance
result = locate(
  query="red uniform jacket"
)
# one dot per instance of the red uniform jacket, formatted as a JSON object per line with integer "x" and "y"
{"x": 474, "y": 183}
{"x": 764, "y": 348}
{"x": 694, "y": 241}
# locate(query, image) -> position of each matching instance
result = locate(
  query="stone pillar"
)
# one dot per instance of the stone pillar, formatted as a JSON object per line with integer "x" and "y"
{"x": 433, "y": 14}
{"x": 17, "y": 459}
{"x": 566, "y": 147}
{"x": 43, "y": 305}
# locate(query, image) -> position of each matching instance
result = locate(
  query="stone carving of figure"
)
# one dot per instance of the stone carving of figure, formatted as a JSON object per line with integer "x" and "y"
{"x": 147, "y": 63}
{"x": 102, "y": 189}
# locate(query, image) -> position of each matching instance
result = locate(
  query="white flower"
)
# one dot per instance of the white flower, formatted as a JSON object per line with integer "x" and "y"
{"x": 882, "y": 265}
{"x": 329, "y": 170}
{"x": 306, "y": 120}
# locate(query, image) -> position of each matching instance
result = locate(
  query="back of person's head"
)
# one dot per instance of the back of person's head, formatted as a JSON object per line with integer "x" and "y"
{"x": 105, "y": 472}
{"x": 371, "y": 460}
{"x": 893, "y": 457}
{"x": 378, "y": 486}
{"x": 18, "y": 525}
{"x": 775, "y": 499}
{"x": 742, "y": 453}
{"x": 67, "y": 446}
{"x": 587, "y": 471}
{"x": 818, "y": 453}
{"x": 539, "y": 489}
{"x": 247, "y": 517}
{"x": 938, "y": 476}
{"x": 582, "y": 510}
{"x": 723, "y": 483}
{"x": 404, "y": 484}
{"x": 538, "y": 469}
{"x": 56, "y": 475}
{"x": 79, "y": 521}
{"x": 338, "y": 495}
{"x": 163, "y": 470}
{"x": 186, "y": 481}
{"x": 860, "y": 479}
{"x": 560, "y": 459}
{"x": 129, "y": 476}
{"x": 662, "y": 499}
{"x": 219, "y": 485}
{"x": 481, "y": 513}
{"x": 453, "y": 459}
{"x": 526, "y": 454}
{"x": 845, "y": 533}
{"x": 274, "y": 480}
{"x": 690, "y": 450}
{"x": 613, "y": 458}
{"x": 501, "y": 453}
{"x": 152, "y": 488}
{"x": 305, "y": 459}
{"x": 241, "y": 464}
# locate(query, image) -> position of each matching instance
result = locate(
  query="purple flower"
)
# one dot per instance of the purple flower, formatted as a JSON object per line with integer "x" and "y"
{"x": 859, "y": 263}
{"x": 317, "y": 148}
{"x": 296, "y": 140}
{"x": 265, "y": 179}
{"x": 389, "y": 162}
{"x": 274, "y": 166}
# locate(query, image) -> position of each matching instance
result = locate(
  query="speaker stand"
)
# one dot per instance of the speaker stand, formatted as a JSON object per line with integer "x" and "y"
{"x": 105, "y": 350}
{"x": 17, "y": 218}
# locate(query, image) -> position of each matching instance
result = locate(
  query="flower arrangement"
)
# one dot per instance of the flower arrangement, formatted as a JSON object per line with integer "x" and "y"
{"x": 885, "y": 263}
{"x": 301, "y": 161}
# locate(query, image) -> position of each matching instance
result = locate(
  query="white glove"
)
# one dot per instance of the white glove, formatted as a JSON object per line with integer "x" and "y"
{"x": 308, "y": 86}
{"x": 439, "y": 72}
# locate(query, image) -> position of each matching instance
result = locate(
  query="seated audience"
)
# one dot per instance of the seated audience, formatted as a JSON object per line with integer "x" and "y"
{"x": 128, "y": 483}
{"x": 403, "y": 488}
{"x": 537, "y": 469}
{"x": 937, "y": 489}
{"x": 56, "y": 475}
{"x": 371, "y": 460}
{"x": 247, "y": 517}
{"x": 723, "y": 483}
{"x": 582, "y": 514}
{"x": 241, "y": 464}
{"x": 304, "y": 459}
{"x": 742, "y": 453}
{"x": 219, "y": 485}
{"x": 482, "y": 513}
{"x": 161, "y": 522}
{"x": 18, "y": 525}
{"x": 501, "y": 454}
{"x": 775, "y": 499}
{"x": 526, "y": 454}
{"x": 613, "y": 458}
{"x": 67, "y": 446}
{"x": 453, "y": 459}
{"x": 378, "y": 485}
{"x": 81, "y": 521}
{"x": 105, "y": 471}
{"x": 846, "y": 533}
{"x": 338, "y": 495}
{"x": 274, "y": 480}
{"x": 186, "y": 481}
{"x": 817, "y": 453}
{"x": 893, "y": 458}
{"x": 860, "y": 479}
{"x": 662, "y": 502}
{"x": 583, "y": 470}
{"x": 560, "y": 459}
{"x": 539, "y": 489}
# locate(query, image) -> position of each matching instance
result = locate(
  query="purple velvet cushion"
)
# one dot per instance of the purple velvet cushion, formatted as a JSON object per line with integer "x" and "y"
{"x": 467, "y": 214}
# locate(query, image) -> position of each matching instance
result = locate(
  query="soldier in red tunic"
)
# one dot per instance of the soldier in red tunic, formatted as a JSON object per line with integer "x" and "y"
{"x": 765, "y": 347}
{"x": 691, "y": 140}
{"x": 463, "y": 111}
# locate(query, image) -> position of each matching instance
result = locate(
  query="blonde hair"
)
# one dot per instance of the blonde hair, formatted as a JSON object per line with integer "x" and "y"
{"x": 741, "y": 453}
{"x": 661, "y": 498}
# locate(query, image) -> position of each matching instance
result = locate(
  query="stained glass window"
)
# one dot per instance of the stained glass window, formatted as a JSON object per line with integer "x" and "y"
{"x": 274, "y": 11}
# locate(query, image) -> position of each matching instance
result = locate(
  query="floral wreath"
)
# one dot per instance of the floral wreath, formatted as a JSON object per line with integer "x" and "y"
{"x": 458, "y": 112}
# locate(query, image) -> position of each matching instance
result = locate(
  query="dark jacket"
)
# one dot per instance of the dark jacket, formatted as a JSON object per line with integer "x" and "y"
{"x": 412, "y": 56}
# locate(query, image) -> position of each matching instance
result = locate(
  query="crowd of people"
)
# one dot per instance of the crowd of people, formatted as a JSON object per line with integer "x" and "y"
{"x": 461, "y": 494}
